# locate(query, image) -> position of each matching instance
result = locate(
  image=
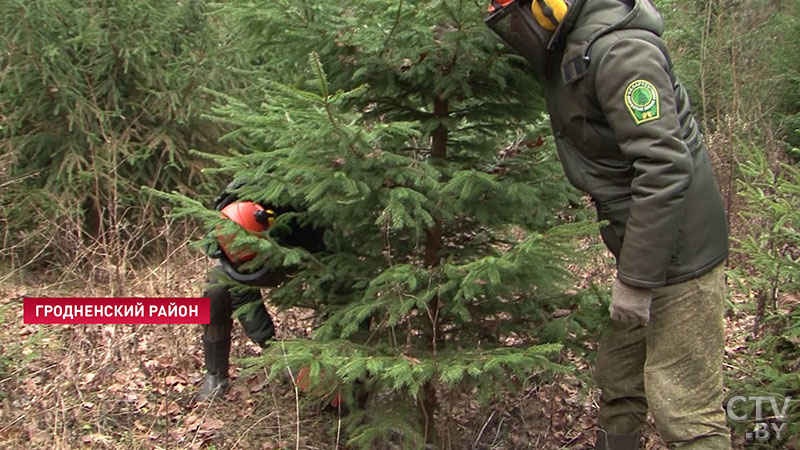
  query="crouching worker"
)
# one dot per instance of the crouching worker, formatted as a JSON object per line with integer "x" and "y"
{"x": 226, "y": 298}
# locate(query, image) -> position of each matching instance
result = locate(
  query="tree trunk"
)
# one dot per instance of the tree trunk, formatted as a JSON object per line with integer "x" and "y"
{"x": 428, "y": 404}
{"x": 441, "y": 108}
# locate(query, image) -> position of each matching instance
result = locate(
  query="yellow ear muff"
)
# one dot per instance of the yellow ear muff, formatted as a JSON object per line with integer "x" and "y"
{"x": 549, "y": 13}
{"x": 271, "y": 218}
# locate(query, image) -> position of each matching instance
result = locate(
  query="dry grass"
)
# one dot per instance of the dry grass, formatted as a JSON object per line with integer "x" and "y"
{"x": 131, "y": 386}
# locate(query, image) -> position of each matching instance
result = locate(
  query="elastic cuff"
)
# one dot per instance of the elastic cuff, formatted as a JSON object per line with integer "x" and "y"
{"x": 639, "y": 283}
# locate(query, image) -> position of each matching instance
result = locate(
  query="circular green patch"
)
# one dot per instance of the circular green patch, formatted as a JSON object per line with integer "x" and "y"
{"x": 642, "y": 96}
{"x": 641, "y": 99}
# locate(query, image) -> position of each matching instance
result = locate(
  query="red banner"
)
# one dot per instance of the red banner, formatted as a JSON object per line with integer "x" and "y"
{"x": 77, "y": 310}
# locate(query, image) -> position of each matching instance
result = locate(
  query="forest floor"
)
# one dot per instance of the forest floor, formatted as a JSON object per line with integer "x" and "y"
{"x": 131, "y": 386}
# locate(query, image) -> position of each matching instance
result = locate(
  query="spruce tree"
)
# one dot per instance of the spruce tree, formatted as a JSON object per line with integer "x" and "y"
{"x": 98, "y": 99}
{"x": 407, "y": 133}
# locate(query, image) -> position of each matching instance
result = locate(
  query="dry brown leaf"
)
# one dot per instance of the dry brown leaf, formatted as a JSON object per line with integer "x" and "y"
{"x": 171, "y": 380}
{"x": 96, "y": 438}
{"x": 192, "y": 422}
{"x": 138, "y": 425}
{"x": 167, "y": 408}
{"x": 151, "y": 363}
{"x": 210, "y": 425}
{"x": 560, "y": 313}
{"x": 256, "y": 384}
{"x": 411, "y": 359}
{"x": 177, "y": 434}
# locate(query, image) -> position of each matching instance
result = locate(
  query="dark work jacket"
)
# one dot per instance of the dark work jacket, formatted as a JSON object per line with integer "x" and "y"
{"x": 649, "y": 176}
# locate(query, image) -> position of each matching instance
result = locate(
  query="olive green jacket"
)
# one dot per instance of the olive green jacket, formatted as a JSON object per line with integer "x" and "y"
{"x": 626, "y": 135}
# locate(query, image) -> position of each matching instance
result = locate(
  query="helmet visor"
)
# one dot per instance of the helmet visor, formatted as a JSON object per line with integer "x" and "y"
{"x": 514, "y": 23}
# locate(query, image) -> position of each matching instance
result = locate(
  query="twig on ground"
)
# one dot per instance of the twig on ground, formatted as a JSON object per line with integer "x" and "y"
{"x": 250, "y": 428}
{"x": 12, "y": 423}
{"x": 277, "y": 411}
{"x": 567, "y": 445}
{"x": 483, "y": 428}
{"x": 32, "y": 374}
{"x": 339, "y": 423}
{"x": 296, "y": 399}
{"x": 202, "y": 419}
{"x": 497, "y": 434}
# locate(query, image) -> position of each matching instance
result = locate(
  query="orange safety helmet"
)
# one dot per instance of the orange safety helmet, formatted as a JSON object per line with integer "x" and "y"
{"x": 251, "y": 216}
{"x": 321, "y": 387}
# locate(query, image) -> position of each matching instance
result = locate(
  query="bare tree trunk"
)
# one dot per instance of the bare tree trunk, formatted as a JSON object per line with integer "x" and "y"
{"x": 441, "y": 108}
{"x": 428, "y": 404}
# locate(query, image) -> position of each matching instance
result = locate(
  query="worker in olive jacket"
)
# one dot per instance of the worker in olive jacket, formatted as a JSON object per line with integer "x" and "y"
{"x": 626, "y": 135}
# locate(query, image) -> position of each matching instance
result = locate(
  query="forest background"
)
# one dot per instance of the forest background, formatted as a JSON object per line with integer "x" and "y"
{"x": 411, "y": 126}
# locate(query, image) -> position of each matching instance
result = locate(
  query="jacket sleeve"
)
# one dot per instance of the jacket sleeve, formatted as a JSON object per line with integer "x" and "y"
{"x": 635, "y": 91}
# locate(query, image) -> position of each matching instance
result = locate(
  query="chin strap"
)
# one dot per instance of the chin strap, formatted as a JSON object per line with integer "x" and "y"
{"x": 244, "y": 278}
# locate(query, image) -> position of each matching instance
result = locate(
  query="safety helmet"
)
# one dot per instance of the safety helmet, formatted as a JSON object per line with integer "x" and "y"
{"x": 255, "y": 219}
{"x": 527, "y": 26}
{"x": 250, "y": 216}
{"x": 324, "y": 386}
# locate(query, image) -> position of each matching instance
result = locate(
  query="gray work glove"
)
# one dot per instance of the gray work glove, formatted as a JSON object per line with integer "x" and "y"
{"x": 630, "y": 304}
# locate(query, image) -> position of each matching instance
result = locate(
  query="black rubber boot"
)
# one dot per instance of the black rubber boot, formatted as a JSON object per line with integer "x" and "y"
{"x": 607, "y": 441}
{"x": 216, "y": 350}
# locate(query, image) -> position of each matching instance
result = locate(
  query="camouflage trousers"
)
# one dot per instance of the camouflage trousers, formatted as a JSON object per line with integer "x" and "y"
{"x": 671, "y": 367}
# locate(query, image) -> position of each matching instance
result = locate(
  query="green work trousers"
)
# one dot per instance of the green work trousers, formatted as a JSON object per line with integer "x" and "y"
{"x": 671, "y": 367}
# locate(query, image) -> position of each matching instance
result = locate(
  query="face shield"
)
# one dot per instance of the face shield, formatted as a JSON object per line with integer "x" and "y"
{"x": 514, "y": 22}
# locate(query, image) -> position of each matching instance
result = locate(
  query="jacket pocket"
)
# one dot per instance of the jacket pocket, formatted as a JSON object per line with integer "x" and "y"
{"x": 616, "y": 212}
{"x": 571, "y": 162}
